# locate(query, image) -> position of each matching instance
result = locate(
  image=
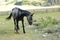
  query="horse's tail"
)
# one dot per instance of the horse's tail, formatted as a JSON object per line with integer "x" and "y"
{"x": 9, "y": 17}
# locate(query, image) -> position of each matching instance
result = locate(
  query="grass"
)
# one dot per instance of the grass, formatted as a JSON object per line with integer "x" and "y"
{"x": 7, "y": 29}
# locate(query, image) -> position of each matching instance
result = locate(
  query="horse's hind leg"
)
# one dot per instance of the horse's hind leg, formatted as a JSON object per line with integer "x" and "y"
{"x": 15, "y": 26}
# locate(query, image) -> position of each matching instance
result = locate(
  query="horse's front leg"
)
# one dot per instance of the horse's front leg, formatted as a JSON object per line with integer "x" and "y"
{"x": 23, "y": 26}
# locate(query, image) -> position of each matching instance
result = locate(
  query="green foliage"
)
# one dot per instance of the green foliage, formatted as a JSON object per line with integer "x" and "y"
{"x": 36, "y": 3}
{"x": 48, "y": 21}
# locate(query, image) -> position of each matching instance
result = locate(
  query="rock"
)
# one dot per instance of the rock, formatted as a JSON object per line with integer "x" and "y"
{"x": 57, "y": 28}
{"x": 59, "y": 35}
{"x": 35, "y": 30}
{"x": 47, "y": 30}
{"x": 52, "y": 29}
{"x": 45, "y": 35}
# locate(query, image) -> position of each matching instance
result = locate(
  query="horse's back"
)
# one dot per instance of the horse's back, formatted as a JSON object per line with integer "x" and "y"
{"x": 16, "y": 12}
{"x": 19, "y": 13}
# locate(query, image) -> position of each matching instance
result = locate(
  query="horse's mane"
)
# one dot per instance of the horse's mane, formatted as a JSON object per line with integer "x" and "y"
{"x": 17, "y": 8}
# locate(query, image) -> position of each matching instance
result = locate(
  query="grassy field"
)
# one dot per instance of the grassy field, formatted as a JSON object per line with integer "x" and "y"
{"x": 7, "y": 29}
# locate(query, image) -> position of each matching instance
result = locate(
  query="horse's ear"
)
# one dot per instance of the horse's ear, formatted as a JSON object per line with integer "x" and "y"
{"x": 32, "y": 14}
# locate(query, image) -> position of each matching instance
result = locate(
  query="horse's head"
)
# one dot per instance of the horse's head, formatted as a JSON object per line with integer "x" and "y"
{"x": 29, "y": 18}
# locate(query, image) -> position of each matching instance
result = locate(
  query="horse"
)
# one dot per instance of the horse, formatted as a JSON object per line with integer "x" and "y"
{"x": 18, "y": 15}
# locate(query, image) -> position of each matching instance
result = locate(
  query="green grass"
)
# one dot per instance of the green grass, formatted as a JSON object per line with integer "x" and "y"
{"x": 7, "y": 31}
{"x": 50, "y": 18}
{"x": 7, "y": 28}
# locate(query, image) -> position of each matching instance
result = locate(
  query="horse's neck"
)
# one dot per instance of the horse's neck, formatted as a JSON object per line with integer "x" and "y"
{"x": 25, "y": 13}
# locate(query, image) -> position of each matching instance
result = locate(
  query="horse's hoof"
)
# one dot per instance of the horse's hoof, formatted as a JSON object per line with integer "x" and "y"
{"x": 17, "y": 32}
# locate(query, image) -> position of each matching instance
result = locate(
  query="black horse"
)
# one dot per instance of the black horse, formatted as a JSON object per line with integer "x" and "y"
{"x": 18, "y": 15}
